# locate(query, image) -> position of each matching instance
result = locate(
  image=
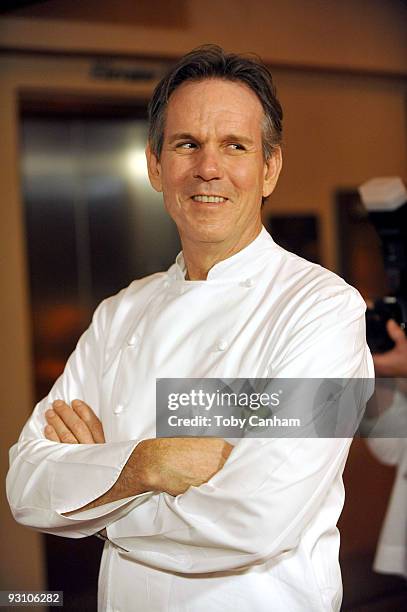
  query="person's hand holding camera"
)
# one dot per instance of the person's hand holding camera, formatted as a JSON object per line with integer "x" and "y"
{"x": 391, "y": 368}
{"x": 393, "y": 363}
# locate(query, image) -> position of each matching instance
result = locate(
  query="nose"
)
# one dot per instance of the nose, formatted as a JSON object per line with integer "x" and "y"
{"x": 208, "y": 165}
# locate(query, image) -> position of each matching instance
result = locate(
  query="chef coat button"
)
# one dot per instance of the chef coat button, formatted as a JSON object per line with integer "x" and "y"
{"x": 166, "y": 284}
{"x": 118, "y": 409}
{"x": 222, "y": 345}
{"x": 132, "y": 340}
{"x": 249, "y": 282}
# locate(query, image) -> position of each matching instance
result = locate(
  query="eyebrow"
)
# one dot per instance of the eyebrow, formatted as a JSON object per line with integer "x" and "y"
{"x": 239, "y": 138}
{"x": 181, "y": 136}
{"x": 227, "y": 137}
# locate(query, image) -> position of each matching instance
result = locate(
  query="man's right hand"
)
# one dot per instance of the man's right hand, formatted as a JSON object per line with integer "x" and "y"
{"x": 169, "y": 465}
{"x": 172, "y": 465}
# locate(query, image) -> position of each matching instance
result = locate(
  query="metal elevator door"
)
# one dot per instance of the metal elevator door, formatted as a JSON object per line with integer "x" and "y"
{"x": 93, "y": 224}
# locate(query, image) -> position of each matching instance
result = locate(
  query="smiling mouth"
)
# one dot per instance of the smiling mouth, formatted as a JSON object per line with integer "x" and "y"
{"x": 209, "y": 199}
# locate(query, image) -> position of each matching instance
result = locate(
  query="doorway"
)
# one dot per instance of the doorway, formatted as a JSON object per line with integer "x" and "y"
{"x": 93, "y": 224}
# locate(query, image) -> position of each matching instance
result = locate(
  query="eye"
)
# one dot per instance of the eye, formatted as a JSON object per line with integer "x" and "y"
{"x": 236, "y": 146}
{"x": 186, "y": 146}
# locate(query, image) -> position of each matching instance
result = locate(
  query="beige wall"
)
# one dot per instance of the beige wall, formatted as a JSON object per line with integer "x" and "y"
{"x": 354, "y": 34}
{"x": 343, "y": 124}
{"x": 339, "y": 130}
{"x": 21, "y": 564}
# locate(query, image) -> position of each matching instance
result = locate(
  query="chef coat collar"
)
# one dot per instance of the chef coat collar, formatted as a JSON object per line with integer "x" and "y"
{"x": 237, "y": 267}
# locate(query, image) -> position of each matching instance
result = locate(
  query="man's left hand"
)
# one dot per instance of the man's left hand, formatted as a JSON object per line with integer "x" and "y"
{"x": 75, "y": 424}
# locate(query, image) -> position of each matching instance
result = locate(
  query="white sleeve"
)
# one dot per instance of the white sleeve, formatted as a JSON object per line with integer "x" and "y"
{"x": 387, "y": 450}
{"x": 47, "y": 479}
{"x": 269, "y": 490}
{"x": 393, "y": 418}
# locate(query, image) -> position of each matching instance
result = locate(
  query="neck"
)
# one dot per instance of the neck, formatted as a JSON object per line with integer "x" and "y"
{"x": 200, "y": 257}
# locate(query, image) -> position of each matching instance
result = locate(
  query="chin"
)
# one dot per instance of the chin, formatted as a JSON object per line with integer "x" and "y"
{"x": 206, "y": 233}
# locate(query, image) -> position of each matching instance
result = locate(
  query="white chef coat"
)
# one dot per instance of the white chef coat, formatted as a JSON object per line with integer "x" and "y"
{"x": 391, "y": 553}
{"x": 261, "y": 534}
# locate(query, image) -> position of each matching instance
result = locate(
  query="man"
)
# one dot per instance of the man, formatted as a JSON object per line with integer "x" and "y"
{"x": 195, "y": 524}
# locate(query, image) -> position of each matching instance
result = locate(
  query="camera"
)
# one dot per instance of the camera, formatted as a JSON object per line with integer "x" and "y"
{"x": 386, "y": 202}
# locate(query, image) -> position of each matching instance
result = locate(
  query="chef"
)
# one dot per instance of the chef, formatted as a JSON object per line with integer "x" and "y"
{"x": 199, "y": 524}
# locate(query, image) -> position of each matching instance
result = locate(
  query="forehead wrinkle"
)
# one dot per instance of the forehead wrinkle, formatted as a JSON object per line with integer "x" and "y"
{"x": 197, "y": 110}
{"x": 216, "y": 124}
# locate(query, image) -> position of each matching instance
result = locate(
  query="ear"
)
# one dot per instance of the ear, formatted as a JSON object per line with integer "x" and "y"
{"x": 154, "y": 169}
{"x": 272, "y": 169}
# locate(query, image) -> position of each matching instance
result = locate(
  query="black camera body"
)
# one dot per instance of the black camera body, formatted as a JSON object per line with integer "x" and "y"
{"x": 386, "y": 202}
{"x": 384, "y": 309}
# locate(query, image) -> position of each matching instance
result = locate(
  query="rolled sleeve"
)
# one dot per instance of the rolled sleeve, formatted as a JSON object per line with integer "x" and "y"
{"x": 48, "y": 479}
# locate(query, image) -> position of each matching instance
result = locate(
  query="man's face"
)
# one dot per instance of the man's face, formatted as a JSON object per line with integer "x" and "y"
{"x": 212, "y": 171}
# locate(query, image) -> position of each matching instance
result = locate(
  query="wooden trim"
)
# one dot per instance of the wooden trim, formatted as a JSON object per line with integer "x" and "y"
{"x": 81, "y": 39}
{"x": 164, "y": 62}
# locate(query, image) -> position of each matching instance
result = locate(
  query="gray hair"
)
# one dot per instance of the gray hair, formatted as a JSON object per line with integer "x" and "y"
{"x": 211, "y": 62}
